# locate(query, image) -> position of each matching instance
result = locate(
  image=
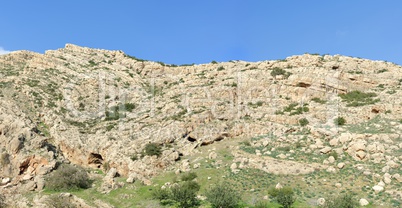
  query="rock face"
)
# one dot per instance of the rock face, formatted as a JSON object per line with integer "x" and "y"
{"x": 98, "y": 108}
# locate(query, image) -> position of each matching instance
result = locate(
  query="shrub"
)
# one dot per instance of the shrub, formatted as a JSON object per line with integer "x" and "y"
{"x": 356, "y": 98}
{"x": 152, "y": 149}
{"x": 342, "y": 201}
{"x": 182, "y": 195}
{"x": 56, "y": 201}
{"x": 340, "y": 121}
{"x": 222, "y": 195}
{"x": 221, "y": 68}
{"x": 129, "y": 106}
{"x": 303, "y": 122}
{"x": 188, "y": 176}
{"x": 284, "y": 196}
{"x": 318, "y": 100}
{"x": 278, "y": 71}
{"x": 161, "y": 194}
{"x": 214, "y": 62}
{"x": 185, "y": 194}
{"x": 68, "y": 177}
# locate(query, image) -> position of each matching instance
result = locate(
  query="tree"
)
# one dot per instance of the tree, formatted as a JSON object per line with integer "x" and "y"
{"x": 223, "y": 195}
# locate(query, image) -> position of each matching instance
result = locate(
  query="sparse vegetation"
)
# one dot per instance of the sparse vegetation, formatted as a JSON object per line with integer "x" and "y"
{"x": 356, "y": 98}
{"x": 59, "y": 200}
{"x": 318, "y": 100}
{"x": 342, "y": 201}
{"x": 189, "y": 176}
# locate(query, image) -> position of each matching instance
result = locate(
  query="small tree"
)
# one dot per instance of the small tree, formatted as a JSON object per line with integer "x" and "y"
{"x": 223, "y": 195}
{"x": 284, "y": 196}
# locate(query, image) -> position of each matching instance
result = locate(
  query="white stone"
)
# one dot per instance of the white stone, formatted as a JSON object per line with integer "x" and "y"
{"x": 363, "y": 202}
{"x": 341, "y": 165}
{"x": 331, "y": 159}
{"x": 378, "y": 188}
{"x": 325, "y": 150}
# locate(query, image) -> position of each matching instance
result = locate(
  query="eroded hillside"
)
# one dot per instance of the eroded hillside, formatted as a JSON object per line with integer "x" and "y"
{"x": 98, "y": 109}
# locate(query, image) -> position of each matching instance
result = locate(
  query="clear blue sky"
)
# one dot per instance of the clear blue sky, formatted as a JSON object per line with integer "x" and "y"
{"x": 184, "y": 31}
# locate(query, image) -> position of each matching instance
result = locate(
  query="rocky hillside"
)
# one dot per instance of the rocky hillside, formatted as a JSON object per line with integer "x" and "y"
{"x": 99, "y": 109}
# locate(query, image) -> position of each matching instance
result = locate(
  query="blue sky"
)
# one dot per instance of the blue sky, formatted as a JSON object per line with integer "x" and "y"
{"x": 183, "y": 31}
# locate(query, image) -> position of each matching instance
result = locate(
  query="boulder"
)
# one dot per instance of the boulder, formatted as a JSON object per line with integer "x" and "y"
{"x": 378, "y": 189}
{"x": 363, "y": 202}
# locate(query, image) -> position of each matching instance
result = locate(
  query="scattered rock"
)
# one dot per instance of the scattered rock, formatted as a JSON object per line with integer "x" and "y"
{"x": 378, "y": 188}
{"x": 325, "y": 150}
{"x": 341, "y": 165}
{"x": 320, "y": 201}
{"x": 363, "y": 202}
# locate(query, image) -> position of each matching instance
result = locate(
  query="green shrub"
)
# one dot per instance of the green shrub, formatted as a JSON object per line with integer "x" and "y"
{"x": 214, "y": 62}
{"x": 222, "y": 195}
{"x": 303, "y": 122}
{"x": 57, "y": 201}
{"x": 181, "y": 195}
{"x": 152, "y": 149}
{"x": 68, "y": 177}
{"x": 129, "y": 106}
{"x": 221, "y": 68}
{"x": 340, "y": 121}
{"x": 318, "y": 100}
{"x": 161, "y": 194}
{"x": 356, "y": 98}
{"x": 342, "y": 201}
{"x": 189, "y": 176}
{"x": 284, "y": 196}
{"x": 278, "y": 71}
{"x": 185, "y": 194}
